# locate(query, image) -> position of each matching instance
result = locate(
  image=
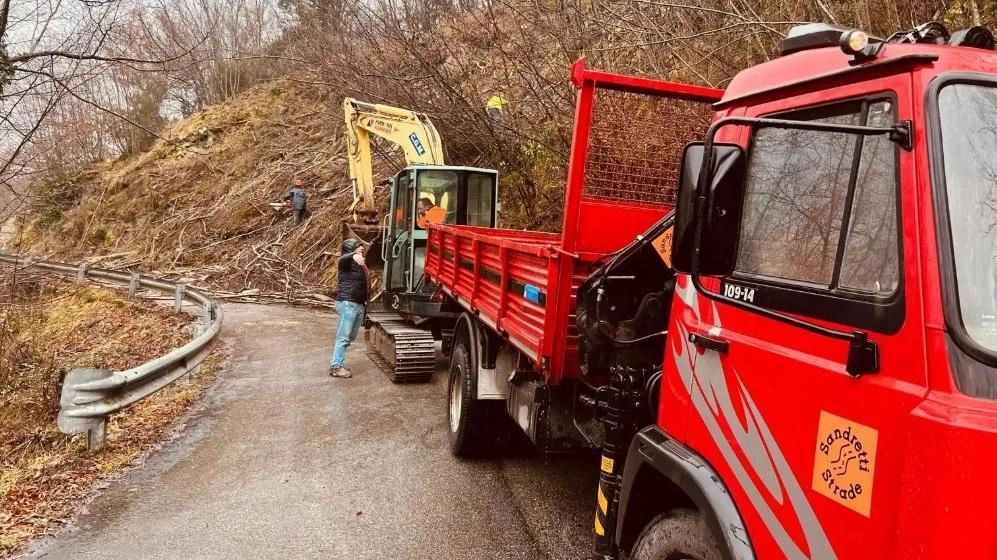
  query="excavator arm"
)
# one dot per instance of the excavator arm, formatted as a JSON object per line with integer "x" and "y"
{"x": 412, "y": 131}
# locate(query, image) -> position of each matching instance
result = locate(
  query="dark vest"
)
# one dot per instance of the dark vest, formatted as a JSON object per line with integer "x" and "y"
{"x": 352, "y": 280}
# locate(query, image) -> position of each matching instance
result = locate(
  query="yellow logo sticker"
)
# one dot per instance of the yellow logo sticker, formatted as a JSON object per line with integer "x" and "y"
{"x": 663, "y": 243}
{"x": 845, "y": 462}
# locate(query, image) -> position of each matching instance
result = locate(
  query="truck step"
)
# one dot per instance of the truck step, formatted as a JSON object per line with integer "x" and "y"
{"x": 406, "y": 354}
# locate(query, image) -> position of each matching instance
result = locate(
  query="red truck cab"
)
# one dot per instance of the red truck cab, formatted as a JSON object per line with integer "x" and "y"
{"x": 814, "y": 327}
{"x": 825, "y": 451}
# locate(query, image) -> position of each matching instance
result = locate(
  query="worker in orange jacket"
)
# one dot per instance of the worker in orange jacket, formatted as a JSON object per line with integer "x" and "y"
{"x": 430, "y": 213}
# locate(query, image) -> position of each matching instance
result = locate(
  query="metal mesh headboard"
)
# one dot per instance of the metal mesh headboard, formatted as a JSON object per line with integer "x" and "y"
{"x": 635, "y": 145}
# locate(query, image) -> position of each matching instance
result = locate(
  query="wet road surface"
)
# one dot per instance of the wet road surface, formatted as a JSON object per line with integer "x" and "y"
{"x": 282, "y": 461}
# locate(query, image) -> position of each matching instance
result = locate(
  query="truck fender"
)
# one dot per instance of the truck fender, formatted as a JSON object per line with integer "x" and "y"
{"x": 695, "y": 478}
{"x": 489, "y": 382}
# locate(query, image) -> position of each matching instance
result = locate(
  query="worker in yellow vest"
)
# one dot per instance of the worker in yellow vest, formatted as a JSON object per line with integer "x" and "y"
{"x": 494, "y": 106}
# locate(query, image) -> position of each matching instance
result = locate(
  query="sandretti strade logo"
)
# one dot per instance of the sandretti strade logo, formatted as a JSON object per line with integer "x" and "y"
{"x": 845, "y": 462}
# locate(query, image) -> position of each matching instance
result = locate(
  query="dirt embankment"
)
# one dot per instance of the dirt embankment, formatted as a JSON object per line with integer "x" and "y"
{"x": 48, "y": 327}
{"x": 197, "y": 203}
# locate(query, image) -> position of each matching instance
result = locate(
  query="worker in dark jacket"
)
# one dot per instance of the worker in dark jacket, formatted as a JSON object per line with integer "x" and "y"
{"x": 298, "y": 199}
{"x": 354, "y": 282}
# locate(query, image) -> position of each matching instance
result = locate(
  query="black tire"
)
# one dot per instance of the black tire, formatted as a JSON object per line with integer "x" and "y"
{"x": 677, "y": 535}
{"x": 470, "y": 422}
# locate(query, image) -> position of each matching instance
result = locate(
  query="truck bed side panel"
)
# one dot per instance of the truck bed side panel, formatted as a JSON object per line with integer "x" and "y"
{"x": 504, "y": 277}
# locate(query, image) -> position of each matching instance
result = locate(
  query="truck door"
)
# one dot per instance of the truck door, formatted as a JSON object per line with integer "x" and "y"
{"x": 398, "y": 239}
{"x": 810, "y": 453}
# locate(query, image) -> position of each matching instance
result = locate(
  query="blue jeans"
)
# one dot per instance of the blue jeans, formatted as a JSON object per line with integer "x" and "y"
{"x": 350, "y": 317}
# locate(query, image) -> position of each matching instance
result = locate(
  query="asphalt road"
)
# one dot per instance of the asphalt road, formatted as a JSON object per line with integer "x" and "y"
{"x": 282, "y": 461}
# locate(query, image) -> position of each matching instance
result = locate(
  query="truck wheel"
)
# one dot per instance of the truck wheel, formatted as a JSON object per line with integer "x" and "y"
{"x": 465, "y": 413}
{"x": 677, "y": 535}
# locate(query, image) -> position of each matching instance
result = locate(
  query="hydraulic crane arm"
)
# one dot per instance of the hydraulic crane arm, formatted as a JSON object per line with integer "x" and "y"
{"x": 414, "y": 132}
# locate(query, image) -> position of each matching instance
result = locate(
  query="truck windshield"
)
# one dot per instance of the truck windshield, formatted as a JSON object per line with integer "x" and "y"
{"x": 969, "y": 146}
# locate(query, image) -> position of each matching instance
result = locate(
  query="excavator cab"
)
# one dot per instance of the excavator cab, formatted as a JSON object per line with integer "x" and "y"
{"x": 424, "y": 195}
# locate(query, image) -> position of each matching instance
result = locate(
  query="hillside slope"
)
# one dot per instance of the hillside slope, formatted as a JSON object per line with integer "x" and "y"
{"x": 196, "y": 203}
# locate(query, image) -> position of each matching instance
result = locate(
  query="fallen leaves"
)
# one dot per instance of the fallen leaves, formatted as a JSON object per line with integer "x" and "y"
{"x": 45, "y": 475}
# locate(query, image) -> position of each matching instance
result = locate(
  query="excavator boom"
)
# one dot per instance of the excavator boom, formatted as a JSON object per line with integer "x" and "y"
{"x": 412, "y": 131}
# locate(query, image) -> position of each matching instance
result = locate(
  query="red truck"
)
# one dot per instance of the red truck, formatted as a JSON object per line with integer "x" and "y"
{"x": 782, "y": 338}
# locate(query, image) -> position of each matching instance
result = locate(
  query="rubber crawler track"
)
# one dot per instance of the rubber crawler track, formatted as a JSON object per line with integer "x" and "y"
{"x": 406, "y": 354}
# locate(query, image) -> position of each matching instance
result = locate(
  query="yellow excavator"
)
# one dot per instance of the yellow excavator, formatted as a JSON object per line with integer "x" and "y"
{"x": 401, "y": 334}
{"x": 413, "y": 132}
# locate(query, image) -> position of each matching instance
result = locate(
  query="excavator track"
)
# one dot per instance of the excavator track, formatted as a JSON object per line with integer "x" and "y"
{"x": 405, "y": 353}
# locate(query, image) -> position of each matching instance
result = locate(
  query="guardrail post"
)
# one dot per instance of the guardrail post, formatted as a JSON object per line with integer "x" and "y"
{"x": 207, "y": 316}
{"x": 96, "y": 436}
{"x": 180, "y": 290}
{"x": 81, "y": 274}
{"x": 133, "y": 285}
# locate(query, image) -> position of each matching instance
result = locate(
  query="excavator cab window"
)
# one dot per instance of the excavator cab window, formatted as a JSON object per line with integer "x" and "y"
{"x": 480, "y": 203}
{"x": 437, "y": 200}
{"x": 398, "y": 239}
{"x": 401, "y": 209}
{"x": 423, "y": 196}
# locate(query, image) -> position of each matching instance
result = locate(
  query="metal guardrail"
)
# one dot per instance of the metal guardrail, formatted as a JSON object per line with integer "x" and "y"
{"x": 89, "y": 395}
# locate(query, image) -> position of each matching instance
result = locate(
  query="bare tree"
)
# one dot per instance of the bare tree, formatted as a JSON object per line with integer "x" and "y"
{"x": 222, "y": 30}
{"x": 64, "y": 66}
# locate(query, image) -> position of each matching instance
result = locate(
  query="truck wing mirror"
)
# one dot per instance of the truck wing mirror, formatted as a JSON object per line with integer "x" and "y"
{"x": 721, "y": 216}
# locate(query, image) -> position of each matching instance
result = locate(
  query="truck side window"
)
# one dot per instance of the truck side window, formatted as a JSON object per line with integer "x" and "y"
{"x": 870, "y": 262}
{"x": 798, "y": 225}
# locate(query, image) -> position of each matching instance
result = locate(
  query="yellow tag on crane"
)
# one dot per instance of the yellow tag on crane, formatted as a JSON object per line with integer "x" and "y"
{"x": 663, "y": 243}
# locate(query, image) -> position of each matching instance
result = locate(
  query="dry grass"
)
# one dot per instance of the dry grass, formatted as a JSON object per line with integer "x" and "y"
{"x": 47, "y": 329}
{"x": 198, "y": 204}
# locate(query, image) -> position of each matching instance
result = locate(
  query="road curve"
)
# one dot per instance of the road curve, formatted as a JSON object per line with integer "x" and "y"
{"x": 282, "y": 461}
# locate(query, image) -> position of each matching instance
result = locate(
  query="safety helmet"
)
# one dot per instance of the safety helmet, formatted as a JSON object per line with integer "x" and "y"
{"x": 350, "y": 245}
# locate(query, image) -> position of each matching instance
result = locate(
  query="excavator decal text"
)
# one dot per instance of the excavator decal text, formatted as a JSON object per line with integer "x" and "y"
{"x": 419, "y": 148}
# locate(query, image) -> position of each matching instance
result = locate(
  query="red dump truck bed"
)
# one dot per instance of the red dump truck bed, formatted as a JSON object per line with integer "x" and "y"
{"x": 622, "y": 174}
{"x": 508, "y": 279}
